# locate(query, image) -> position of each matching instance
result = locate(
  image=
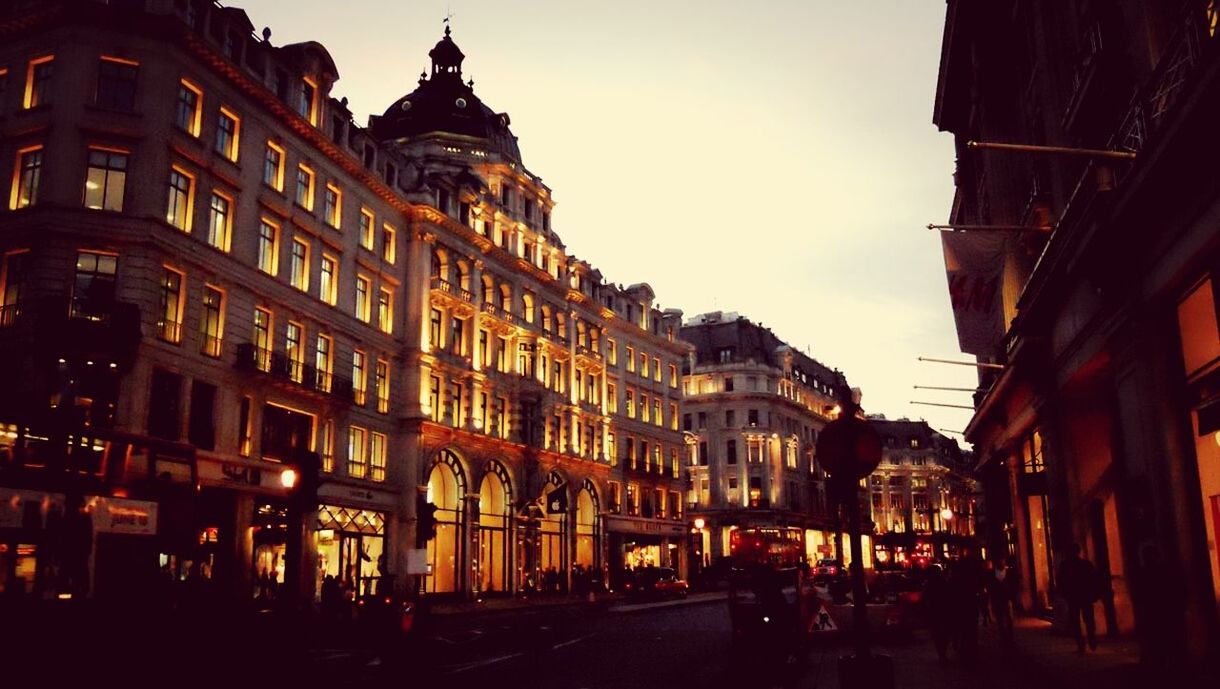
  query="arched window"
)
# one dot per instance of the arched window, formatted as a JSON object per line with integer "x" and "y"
{"x": 446, "y": 490}
{"x": 561, "y": 325}
{"x": 463, "y": 274}
{"x": 527, "y": 306}
{"x": 582, "y": 333}
{"x": 548, "y": 321}
{"x": 595, "y": 340}
{"x": 489, "y": 290}
{"x": 588, "y": 526}
{"x": 440, "y": 264}
{"x": 495, "y": 520}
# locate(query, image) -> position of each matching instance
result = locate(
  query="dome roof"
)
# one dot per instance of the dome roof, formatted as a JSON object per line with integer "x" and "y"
{"x": 443, "y": 103}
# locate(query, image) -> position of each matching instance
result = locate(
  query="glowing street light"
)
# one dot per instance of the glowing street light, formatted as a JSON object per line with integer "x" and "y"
{"x": 700, "y": 523}
{"x": 946, "y": 514}
{"x": 288, "y": 478}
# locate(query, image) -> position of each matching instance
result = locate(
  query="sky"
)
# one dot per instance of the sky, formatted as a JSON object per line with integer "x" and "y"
{"x": 774, "y": 158}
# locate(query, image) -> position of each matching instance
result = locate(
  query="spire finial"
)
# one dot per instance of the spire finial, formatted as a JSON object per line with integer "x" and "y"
{"x": 448, "y": 16}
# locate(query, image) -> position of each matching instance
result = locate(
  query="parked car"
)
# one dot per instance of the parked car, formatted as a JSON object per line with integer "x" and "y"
{"x": 828, "y": 568}
{"x": 658, "y": 582}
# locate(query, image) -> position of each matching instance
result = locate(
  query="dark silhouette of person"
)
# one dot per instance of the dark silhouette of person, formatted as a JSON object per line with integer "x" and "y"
{"x": 938, "y": 604}
{"x": 966, "y": 583}
{"x": 1078, "y": 581}
{"x": 999, "y": 596}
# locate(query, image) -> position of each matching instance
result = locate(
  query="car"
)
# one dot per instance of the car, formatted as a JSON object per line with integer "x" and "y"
{"x": 658, "y": 582}
{"x": 828, "y": 568}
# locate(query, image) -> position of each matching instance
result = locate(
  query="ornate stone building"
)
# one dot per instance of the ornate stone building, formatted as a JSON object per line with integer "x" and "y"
{"x": 754, "y": 407}
{"x": 210, "y": 271}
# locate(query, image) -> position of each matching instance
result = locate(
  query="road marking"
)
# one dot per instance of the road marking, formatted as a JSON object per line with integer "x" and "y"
{"x": 484, "y": 663}
{"x": 577, "y": 640}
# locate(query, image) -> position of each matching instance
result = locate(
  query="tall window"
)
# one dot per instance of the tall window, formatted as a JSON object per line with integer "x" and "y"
{"x": 116, "y": 83}
{"x": 328, "y": 280}
{"x": 307, "y": 100}
{"x": 656, "y": 369}
{"x": 367, "y": 222}
{"x": 105, "y": 179}
{"x": 262, "y": 339}
{"x": 169, "y": 325}
{"x": 220, "y": 221}
{"x": 305, "y": 177}
{"x": 93, "y": 288}
{"x": 327, "y": 442}
{"x": 673, "y": 376}
{"x": 377, "y": 456}
{"x": 485, "y": 348}
{"x": 268, "y": 247}
{"x": 457, "y": 336}
{"x": 332, "y": 209}
{"x": 388, "y": 248}
{"x": 211, "y": 324}
{"x": 434, "y": 398}
{"x": 228, "y": 133}
{"x": 26, "y": 177}
{"x": 190, "y": 108}
{"x": 273, "y": 167}
{"x": 38, "y": 82}
{"x": 359, "y": 377}
{"x": 631, "y": 359}
{"x": 181, "y": 199}
{"x": 730, "y": 451}
{"x": 294, "y": 346}
{"x": 385, "y": 310}
{"x": 364, "y": 304}
{"x": 357, "y": 465}
{"x": 434, "y": 329}
{"x": 13, "y": 280}
{"x": 323, "y": 361}
{"x": 382, "y": 382}
{"x": 299, "y": 275}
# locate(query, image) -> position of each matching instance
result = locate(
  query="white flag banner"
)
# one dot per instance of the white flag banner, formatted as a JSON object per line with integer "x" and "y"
{"x": 974, "y": 262}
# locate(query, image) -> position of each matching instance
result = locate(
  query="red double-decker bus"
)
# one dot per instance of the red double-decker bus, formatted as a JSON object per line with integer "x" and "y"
{"x": 771, "y": 597}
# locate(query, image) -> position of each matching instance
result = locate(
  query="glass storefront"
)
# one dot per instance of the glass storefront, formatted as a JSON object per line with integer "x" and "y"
{"x": 495, "y": 511}
{"x": 270, "y": 527}
{"x": 351, "y": 543}
{"x": 446, "y": 490}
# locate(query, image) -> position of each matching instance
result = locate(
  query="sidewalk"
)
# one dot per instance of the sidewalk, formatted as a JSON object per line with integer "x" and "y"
{"x": 1038, "y": 657}
{"x": 610, "y": 602}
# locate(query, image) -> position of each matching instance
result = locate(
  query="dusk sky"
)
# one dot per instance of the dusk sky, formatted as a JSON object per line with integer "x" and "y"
{"x": 774, "y": 158}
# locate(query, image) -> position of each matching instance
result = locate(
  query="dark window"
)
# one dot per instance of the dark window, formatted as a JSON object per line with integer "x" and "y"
{"x": 337, "y": 127}
{"x": 730, "y": 418}
{"x": 686, "y": 422}
{"x": 442, "y": 200}
{"x": 702, "y": 419}
{"x": 752, "y": 417}
{"x": 728, "y": 384}
{"x": 703, "y": 458}
{"x": 284, "y": 432}
{"x": 93, "y": 289}
{"x": 116, "y": 85}
{"x": 202, "y": 430}
{"x": 164, "y": 402}
{"x": 730, "y": 451}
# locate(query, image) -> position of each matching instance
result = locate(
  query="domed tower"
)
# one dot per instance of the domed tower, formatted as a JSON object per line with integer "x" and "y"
{"x": 443, "y": 104}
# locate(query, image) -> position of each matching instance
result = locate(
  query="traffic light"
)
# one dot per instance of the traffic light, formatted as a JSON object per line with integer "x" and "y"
{"x": 425, "y": 526}
{"x": 308, "y": 480}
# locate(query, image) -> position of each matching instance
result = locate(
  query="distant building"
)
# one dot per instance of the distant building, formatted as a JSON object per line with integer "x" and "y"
{"x": 754, "y": 407}
{"x": 924, "y": 502}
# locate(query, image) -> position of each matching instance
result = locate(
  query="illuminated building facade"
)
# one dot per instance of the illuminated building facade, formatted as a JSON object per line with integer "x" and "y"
{"x": 925, "y": 505}
{"x": 210, "y": 272}
{"x": 754, "y": 407}
{"x": 1095, "y": 420}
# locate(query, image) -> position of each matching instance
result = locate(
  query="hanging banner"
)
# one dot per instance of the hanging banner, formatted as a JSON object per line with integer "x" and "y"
{"x": 974, "y": 263}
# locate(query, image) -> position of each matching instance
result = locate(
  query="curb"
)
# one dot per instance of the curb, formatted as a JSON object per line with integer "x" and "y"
{"x": 640, "y": 607}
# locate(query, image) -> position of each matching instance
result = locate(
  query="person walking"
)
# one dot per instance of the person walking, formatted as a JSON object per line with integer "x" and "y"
{"x": 999, "y": 597}
{"x": 938, "y": 602}
{"x": 1078, "y": 581}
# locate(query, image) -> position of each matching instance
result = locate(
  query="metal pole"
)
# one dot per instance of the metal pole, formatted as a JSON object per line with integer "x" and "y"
{"x": 930, "y": 387}
{"x": 858, "y": 589}
{"x": 976, "y": 364}
{"x": 1062, "y": 150}
{"x": 937, "y": 404}
{"x": 989, "y": 228}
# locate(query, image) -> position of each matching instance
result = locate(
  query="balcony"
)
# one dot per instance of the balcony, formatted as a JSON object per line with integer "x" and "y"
{"x": 588, "y": 352}
{"x": 281, "y": 368}
{"x": 445, "y": 287}
{"x": 169, "y": 331}
{"x": 104, "y": 330}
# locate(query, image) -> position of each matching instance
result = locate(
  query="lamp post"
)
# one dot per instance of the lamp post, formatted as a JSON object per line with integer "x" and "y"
{"x": 850, "y": 450}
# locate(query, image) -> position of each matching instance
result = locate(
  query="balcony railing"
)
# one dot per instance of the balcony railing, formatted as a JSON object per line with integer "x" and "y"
{"x": 169, "y": 331}
{"x": 281, "y": 367}
{"x": 9, "y": 313}
{"x": 211, "y": 346}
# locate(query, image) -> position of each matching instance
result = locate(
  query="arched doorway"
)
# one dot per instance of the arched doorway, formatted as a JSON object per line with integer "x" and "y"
{"x": 552, "y": 534}
{"x": 446, "y": 490}
{"x": 588, "y": 527}
{"x": 495, "y": 512}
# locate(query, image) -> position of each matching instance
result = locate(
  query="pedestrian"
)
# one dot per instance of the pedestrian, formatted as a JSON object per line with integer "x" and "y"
{"x": 999, "y": 597}
{"x": 983, "y": 603}
{"x": 966, "y": 582}
{"x": 937, "y": 600}
{"x": 1081, "y": 587}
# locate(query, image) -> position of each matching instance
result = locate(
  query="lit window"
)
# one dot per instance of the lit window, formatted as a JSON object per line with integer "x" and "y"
{"x": 631, "y": 359}
{"x": 387, "y": 243}
{"x": 364, "y": 305}
{"x": 294, "y": 346}
{"x": 190, "y": 108}
{"x": 94, "y": 286}
{"x": 328, "y": 280}
{"x": 12, "y": 284}
{"x": 38, "y": 82}
{"x": 367, "y": 222}
{"x": 323, "y": 361}
{"x": 169, "y": 325}
{"x": 116, "y": 83}
{"x": 377, "y": 457}
{"x": 333, "y": 209}
{"x": 385, "y": 310}
{"x": 307, "y": 100}
{"x": 220, "y": 221}
{"x": 181, "y": 199}
{"x": 328, "y": 446}
{"x": 228, "y": 131}
{"x": 299, "y": 275}
{"x": 381, "y": 382}
{"x": 105, "y": 179}
{"x": 268, "y": 247}
{"x": 273, "y": 167}
{"x": 305, "y": 179}
{"x": 357, "y": 466}
{"x": 656, "y": 370}
{"x": 359, "y": 377}
{"x": 26, "y": 176}
{"x": 211, "y": 324}
{"x": 262, "y": 339}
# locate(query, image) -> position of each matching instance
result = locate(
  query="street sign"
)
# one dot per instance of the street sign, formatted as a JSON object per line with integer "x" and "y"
{"x": 849, "y": 449}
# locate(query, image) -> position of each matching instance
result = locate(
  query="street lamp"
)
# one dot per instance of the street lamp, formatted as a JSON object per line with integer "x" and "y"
{"x": 946, "y": 514}
{"x": 700, "y": 523}
{"x": 288, "y": 478}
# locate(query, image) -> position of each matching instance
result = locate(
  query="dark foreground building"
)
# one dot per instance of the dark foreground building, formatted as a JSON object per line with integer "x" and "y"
{"x": 1092, "y": 298}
